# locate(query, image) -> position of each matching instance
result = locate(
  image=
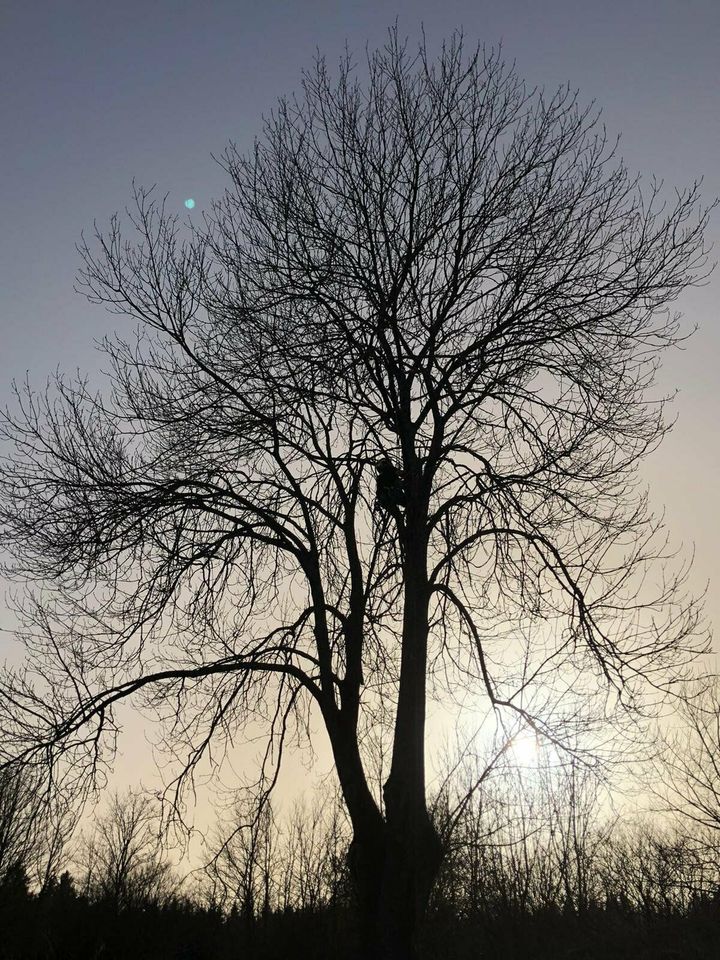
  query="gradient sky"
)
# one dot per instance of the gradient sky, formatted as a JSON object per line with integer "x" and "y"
{"x": 95, "y": 93}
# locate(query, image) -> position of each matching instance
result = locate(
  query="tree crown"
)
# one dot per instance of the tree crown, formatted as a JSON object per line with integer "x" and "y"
{"x": 406, "y": 364}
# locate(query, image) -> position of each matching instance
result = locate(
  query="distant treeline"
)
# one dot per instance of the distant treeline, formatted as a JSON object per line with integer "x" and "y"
{"x": 533, "y": 869}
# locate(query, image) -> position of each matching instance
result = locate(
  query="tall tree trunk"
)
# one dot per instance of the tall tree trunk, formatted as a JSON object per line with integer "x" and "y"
{"x": 394, "y": 860}
{"x": 412, "y": 850}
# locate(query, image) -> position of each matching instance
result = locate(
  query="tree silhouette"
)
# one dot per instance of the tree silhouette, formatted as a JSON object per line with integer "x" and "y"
{"x": 121, "y": 860}
{"x": 18, "y": 823}
{"x": 35, "y": 827}
{"x": 375, "y": 440}
{"x": 689, "y": 771}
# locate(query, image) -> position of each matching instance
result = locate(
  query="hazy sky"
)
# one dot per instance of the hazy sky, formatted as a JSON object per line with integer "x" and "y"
{"x": 95, "y": 93}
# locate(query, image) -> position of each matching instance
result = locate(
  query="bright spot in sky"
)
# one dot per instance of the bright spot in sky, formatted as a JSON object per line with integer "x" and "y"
{"x": 524, "y": 748}
{"x": 189, "y": 203}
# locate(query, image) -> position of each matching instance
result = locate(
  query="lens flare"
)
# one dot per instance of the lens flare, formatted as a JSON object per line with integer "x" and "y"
{"x": 189, "y": 203}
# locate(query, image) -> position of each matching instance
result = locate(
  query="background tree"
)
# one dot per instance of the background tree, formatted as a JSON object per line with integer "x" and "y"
{"x": 314, "y": 854}
{"x": 376, "y": 439}
{"x": 688, "y": 774}
{"x": 35, "y": 828}
{"x": 243, "y": 869}
{"x": 19, "y": 824}
{"x": 689, "y": 766}
{"x": 57, "y": 824}
{"x": 121, "y": 860}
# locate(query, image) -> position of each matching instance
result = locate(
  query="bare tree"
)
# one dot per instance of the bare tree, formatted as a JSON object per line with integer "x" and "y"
{"x": 579, "y": 831}
{"x": 375, "y": 440}
{"x": 121, "y": 860}
{"x": 690, "y": 763}
{"x": 655, "y": 870}
{"x": 58, "y": 820}
{"x": 35, "y": 828}
{"x": 19, "y": 815}
{"x": 243, "y": 868}
{"x": 314, "y": 845}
